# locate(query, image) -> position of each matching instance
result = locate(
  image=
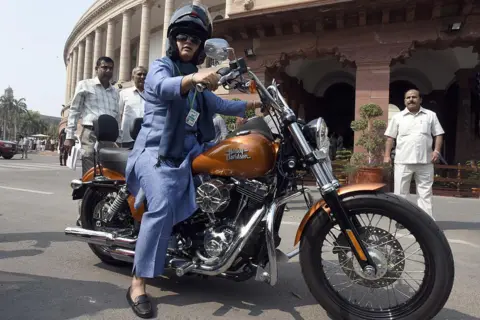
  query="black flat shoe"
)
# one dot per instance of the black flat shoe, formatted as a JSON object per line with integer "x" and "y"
{"x": 142, "y": 306}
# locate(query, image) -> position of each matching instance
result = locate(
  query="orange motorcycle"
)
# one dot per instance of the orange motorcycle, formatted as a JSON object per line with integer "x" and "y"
{"x": 355, "y": 261}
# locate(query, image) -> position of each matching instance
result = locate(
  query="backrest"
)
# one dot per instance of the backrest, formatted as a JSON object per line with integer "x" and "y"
{"x": 135, "y": 127}
{"x": 106, "y": 128}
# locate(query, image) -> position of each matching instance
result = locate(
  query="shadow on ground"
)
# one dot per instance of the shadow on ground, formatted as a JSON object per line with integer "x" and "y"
{"x": 38, "y": 297}
{"x": 42, "y": 240}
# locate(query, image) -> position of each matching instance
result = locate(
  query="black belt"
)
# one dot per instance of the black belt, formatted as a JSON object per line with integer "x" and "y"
{"x": 87, "y": 126}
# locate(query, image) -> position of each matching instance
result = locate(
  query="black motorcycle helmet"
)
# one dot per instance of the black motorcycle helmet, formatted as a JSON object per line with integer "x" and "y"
{"x": 193, "y": 20}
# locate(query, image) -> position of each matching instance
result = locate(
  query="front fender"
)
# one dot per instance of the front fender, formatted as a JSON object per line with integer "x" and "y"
{"x": 342, "y": 193}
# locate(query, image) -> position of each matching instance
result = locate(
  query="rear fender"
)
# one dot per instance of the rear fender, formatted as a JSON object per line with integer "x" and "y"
{"x": 113, "y": 175}
{"x": 343, "y": 192}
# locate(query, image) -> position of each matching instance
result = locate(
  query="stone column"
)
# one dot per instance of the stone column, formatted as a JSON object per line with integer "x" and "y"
{"x": 97, "y": 48}
{"x": 144, "y": 47}
{"x": 372, "y": 86}
{"x": 87, "y": 71}
{"x": 228, "y": 8}
{"x": 67, "y": 83}
{"x": 125, "y": 56}
{"x": 169, "y": 7}
{"x": 74, "y": 72}
{"x": 464, "y": 144}
{"x": 81, "y": 60}
{"x": 110, "y": 45}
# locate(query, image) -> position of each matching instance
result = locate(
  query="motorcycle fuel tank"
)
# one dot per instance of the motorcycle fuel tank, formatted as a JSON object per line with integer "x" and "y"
{"x": 247, "y": 156}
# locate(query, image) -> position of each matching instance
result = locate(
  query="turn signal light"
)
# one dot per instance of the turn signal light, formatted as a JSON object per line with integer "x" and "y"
{"x": 252, "y": 87}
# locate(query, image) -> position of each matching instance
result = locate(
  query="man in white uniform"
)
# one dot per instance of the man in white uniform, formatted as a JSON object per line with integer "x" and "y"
{"x": 413, "y": 128}
{"x": 131, "y": 105}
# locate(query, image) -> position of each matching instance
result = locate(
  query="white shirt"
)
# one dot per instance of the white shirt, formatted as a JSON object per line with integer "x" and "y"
{"x": 131, "y": 106}
{"x": 90, "y": 101}
{"x": 221, "y": 131}
{"x": 414, "y": 135}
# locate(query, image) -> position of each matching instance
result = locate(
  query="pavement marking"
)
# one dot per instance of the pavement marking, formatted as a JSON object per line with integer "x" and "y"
{"x": 15, "y": 166}
{"x": 26, "y": 190}
{"x": 456, "y": 241}
{"x": 291, "y": 223}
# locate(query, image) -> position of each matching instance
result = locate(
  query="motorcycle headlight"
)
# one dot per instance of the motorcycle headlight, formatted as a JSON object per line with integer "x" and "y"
{"x": 316, "y": 133}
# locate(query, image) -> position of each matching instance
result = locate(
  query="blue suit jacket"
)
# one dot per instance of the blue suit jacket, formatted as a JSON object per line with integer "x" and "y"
{"x": 164, "y": 125}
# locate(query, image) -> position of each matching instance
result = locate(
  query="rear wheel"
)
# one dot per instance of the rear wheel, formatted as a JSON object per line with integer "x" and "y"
{"x": 10, "y": 156}
{"x": 394, "y": 291}
{"x": 91, "y": 210}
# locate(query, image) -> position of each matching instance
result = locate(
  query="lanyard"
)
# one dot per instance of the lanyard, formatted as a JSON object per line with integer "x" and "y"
{"x": 191, "y": 102}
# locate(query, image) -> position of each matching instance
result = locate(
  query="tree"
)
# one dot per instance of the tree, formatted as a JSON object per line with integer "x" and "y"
{"x": 10, "y": 111}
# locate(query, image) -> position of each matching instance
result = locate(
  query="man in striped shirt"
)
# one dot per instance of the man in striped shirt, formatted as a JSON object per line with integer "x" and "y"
{"x": 92, "y": 98}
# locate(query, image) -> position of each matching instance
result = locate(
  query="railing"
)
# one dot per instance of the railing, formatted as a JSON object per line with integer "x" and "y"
{"x": 450, "y": 180}
{"x": 457, "y": 180}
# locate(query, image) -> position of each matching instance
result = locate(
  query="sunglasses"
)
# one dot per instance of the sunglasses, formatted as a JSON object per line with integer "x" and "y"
{"x": 184, "y": 37}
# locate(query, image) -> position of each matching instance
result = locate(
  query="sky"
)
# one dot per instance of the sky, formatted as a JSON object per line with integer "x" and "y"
{"x": 33, "y": 35}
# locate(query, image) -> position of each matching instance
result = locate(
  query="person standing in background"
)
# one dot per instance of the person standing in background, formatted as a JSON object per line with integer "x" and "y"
{"x": 131, "y": 105}
{"x": 413, "y": 129}
{"x": 221, "y": 131}
{"x": 24, "y": 144}
{"x": 62, "y": 149}
{"x": 92, "y": 98}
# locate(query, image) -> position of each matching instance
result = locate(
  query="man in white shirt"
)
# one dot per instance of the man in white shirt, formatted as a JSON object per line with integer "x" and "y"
{"x": 92, "y": 98}
{"x": 221, "y": 131}
{"x": 131, "y": 105}
{"x": 413, "y": 128}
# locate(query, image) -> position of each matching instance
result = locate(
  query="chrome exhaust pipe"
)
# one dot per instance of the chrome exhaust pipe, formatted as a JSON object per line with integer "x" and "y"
{"x": 100, "y": 238}
{"x": 226, "y": 261}
{"x": 122, "y": 254}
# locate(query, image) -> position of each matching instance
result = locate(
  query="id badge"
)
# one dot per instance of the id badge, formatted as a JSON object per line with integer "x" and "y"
{"x": 192, "y": 117}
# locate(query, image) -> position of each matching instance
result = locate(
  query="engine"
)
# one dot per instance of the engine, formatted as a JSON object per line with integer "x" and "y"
{"x": 224, "y": 205}
{"x": 214, "y": 195}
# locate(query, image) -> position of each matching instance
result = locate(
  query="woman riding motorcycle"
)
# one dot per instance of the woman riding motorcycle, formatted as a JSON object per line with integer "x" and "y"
{"x": 177, "y": 123}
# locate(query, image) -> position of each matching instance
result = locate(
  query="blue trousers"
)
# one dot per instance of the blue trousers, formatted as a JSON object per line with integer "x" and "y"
{"x": 170, "y": 195}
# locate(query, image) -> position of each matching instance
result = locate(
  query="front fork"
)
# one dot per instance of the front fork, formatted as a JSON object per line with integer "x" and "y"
{"x": 329, "y": 185}
{"x": 349, "y": 228}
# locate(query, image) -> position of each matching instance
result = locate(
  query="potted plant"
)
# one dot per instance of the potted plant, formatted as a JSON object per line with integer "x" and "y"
{"x": 368, "y": 166}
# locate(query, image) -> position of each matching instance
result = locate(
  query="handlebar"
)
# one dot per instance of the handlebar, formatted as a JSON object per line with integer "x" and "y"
{"x": 226, "y": 75}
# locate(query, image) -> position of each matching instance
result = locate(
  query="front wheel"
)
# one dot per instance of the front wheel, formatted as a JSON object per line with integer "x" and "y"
{"x": 415, "y": 268}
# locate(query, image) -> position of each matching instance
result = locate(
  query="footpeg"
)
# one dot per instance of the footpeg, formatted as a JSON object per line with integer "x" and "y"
{"x": 186, "y": 268}
{"x": 262, "y": 275}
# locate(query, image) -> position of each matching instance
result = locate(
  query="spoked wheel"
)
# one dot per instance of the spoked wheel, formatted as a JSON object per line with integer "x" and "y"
{"x": 415, "y": 269}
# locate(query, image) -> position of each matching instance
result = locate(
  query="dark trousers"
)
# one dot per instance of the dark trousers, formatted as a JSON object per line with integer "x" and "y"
{"x": 63, "y": 156}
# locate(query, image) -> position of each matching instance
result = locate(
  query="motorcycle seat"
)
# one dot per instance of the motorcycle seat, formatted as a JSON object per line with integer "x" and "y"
{"x": 114, "y": 158}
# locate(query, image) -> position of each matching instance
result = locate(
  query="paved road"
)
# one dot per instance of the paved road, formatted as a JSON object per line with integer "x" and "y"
{"x": 45, "y": 275}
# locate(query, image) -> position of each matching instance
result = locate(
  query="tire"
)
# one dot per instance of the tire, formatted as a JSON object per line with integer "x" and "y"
{"x": 10, "y": 156}
{"x": 438, "y": 279}
{"x": 90, "y": 200}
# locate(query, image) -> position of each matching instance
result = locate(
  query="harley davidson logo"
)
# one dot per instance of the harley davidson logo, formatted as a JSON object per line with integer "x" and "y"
{"x": 237, "y": 154}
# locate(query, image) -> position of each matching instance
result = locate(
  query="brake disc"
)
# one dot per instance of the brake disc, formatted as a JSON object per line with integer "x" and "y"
{"x": 384, "y": 248}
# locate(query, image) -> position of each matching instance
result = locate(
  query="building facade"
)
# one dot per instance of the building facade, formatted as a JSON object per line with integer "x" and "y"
{"x": 330, "y": 56}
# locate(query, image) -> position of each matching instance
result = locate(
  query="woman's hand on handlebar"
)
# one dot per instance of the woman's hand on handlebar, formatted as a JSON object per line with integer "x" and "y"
{"x": 207, "y": 77}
